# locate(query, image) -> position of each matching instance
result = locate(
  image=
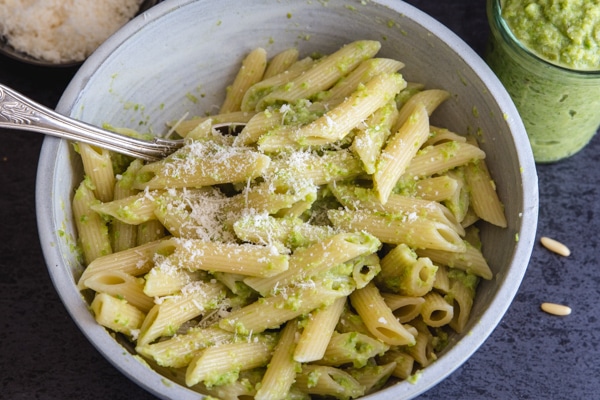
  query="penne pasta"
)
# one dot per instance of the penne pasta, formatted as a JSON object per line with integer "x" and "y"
{"x": 93, "y": 233}
{"x": 388, "y": 228}
{"x": 324, "y": 73}
{"x": 281, "y": 62}
{"x": 328, "y": 381}
{"x": 306, "y": 263}
{"x": 123, "y": 286}
{"x": 352, "y": 348}
{"x": 171, "y": 312}
{"x": 116, "y": 314}
{"x": 317, "y": 331}
{"x": 378, "y": 318}
{"x": 330, "y": 245}
{"x": 404, "y": 273}
{"x": 97, "y": 165}
{"x": 441, "y": 158}
{"x": 338, "y": 122}
{"x": 399, "y": 151}
{"x": 212, "y": 363}
{"x": 251, "y": 71}
{"x": 281, "y": 370}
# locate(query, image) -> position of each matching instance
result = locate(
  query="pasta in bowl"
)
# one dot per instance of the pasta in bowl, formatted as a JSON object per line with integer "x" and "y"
{"x": 344, "y": 243}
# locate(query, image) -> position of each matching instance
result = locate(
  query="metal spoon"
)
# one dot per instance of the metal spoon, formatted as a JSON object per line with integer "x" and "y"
{"x": 20, "y": 112}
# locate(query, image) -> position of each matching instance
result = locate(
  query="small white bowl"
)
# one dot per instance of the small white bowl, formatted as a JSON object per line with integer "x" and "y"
{"x": 182, "y": 49}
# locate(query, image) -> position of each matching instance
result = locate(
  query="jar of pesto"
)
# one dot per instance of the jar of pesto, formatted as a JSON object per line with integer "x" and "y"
{"x": 547, "y": 55}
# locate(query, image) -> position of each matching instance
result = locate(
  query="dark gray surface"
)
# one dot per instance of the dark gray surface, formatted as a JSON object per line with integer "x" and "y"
{"x": 531, "y": 355}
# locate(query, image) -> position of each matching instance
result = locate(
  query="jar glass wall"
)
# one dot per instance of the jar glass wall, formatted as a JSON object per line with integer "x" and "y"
{"x": 560, "y": 107}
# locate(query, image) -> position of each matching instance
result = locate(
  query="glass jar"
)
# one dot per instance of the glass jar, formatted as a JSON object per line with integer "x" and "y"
{"x": 560, "y": 107}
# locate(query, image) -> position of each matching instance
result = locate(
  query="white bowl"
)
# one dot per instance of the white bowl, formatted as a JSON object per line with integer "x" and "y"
{"x": 145, "y": 73}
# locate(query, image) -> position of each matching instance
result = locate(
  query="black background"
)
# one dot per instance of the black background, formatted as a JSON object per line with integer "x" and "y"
{"x": 531, "y": 355}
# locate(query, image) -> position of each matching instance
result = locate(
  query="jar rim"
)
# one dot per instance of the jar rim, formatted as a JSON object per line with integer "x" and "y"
{"x": 495, "y": 16}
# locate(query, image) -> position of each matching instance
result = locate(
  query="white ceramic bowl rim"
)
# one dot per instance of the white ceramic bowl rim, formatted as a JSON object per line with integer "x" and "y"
{"x": 157, "y": 384}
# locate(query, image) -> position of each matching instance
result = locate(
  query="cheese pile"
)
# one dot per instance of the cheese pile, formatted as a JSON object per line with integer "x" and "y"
{"x": 62, "y": 30}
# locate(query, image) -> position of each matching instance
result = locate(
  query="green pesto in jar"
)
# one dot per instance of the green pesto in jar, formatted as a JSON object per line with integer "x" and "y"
{"x": 546, "y": 54}
{"x": 563, "y": 32}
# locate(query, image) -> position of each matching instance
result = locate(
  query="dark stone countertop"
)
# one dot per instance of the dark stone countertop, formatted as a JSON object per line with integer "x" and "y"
{"x": 531, "y": 355}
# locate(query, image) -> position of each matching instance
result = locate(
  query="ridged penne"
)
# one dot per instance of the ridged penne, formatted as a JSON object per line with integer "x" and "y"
{"x": 251, "y": 71}
{"x": 378, "y": 317}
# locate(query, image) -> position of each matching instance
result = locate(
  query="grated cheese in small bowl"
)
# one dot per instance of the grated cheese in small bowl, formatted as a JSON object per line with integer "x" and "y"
{"x": 60, "y": 31}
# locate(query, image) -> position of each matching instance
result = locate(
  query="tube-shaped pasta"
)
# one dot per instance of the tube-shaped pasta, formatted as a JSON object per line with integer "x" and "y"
{"x": 281, "y": 62}
{"x": 222, "y": 364}
{"x": 93, "y": 232}
{"x": 442, "y": 281}
{"x": 281, "y": 371}
{"x": 462, "y": 294}
{"x": 319, "y": 169}
{"x": 458, "y": 202}
{"x": 372, "y": 376}
{"x": 338, "y": 122}
{"x": 167, "y": 316}
{"x": 259, "y": 90}
{"x": 437, "y": 188}
{"x": 438, "y": 135}
{"x": 167, "y": 277}
{"x": 357, "y": 198}
{"x": 184, "y": 127}
{"x": 365, "y": 269}
{"x": 430, "y": 98}
{"x": 442, "y": 157}
{"x": 149, "y": 231}
{"x": 202, "y": 163}
{"x": 362, "y": 74}
{"x": 97, "y": 165}
{"x": 123, "y": 234}
{"x": 352, "y": 347}
{"x": 324, "y": 73}
{"x": 400, "y": 150}
{"x": 309, "y": 262}
{"x": 179, "y": 350}
{"x": 273, "y": 311}
{"x": 328, "y": 381}
{"x": 482, "y": 191}
{"x": 368, "y": 141}
{"x": 292, "y": 232}
{"x": 403, "y": 272}
{"x": 132, "y": 210}
{"x": 422, "y": 352}
{"x": 405, "y": 308}
{"x": 471, "y": 260}
{"x": 123, "y": 286}
{"x": 243, "y": 259}
{"x": 404, "y": 363}
{"x": 135, "y": 261}
{"x": 393, "y": 229}
{"x": 269, "y": 197}
{"x": 378, "y": 317}
{"x": 436, "y": 311}
{"x": 251, "y": 71}
{"x": 351, "y": 322}
{"x": 116, "y": 314}
{"x": 317, "y": 331}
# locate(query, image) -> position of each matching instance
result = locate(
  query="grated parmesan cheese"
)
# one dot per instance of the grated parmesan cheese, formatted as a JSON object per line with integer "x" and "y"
{"x": 62, "y": 30}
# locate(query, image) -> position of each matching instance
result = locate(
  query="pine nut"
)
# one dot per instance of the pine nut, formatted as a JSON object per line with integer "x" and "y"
{"x": 556, "y": 309}
{"x": 555, "y": 246}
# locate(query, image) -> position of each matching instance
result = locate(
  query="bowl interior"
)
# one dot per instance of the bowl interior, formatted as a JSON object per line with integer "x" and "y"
{"x": 177, "y": 58}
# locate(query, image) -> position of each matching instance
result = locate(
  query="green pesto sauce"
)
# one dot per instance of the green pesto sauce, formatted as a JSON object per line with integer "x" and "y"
{"x": 564, "y": 32}
{"x": 469, "y": 280}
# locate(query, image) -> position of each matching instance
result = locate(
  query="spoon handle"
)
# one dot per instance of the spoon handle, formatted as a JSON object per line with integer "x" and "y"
{"x": 19, "y": 112}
